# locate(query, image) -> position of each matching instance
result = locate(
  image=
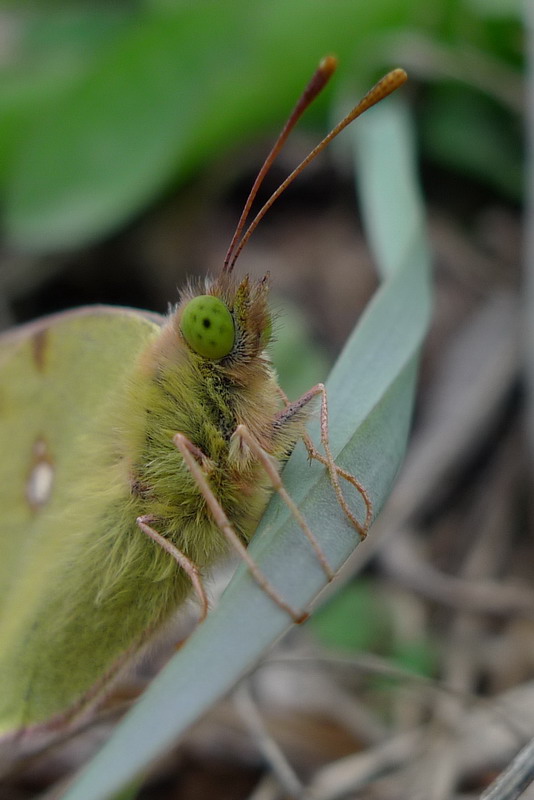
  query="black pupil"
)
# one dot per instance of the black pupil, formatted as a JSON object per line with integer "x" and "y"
{"x": 206, "y": 322}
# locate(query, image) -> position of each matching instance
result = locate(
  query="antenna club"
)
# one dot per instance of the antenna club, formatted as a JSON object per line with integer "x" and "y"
{"x": 327, "y": 66}
{"x": 385, "y": 86}
{"x": 396, "y": 78}
{"x": 388, "y": 84}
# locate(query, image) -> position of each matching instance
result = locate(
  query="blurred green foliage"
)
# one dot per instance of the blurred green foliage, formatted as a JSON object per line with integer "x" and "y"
{"x": 356, "y": 619}
{"x": 103, "y": 107}
{"x": 475, "y": 136}
{"x": 359, "y": 619}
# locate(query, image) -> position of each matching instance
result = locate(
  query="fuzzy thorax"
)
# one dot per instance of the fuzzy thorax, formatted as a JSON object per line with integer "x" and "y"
{"x": 181, "y": 391}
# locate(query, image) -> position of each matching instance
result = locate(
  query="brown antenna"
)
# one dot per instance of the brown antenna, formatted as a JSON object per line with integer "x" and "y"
{"x": 388, "y": 84}
{"x": 319, "y": 79}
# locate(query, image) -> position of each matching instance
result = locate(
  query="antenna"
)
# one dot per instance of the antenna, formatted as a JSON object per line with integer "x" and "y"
{"x": 385, "y": 86}
{"x": 318, "y": 81}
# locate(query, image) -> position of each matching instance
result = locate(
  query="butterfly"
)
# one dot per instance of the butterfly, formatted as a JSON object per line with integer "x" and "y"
{"x": 137, "y": 450}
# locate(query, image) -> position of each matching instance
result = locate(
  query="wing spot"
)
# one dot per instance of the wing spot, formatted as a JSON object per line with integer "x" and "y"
{"x": 40, "y": 481}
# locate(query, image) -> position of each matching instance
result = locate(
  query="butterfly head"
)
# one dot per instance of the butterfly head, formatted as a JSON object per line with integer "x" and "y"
{"x": 229, "y": 323}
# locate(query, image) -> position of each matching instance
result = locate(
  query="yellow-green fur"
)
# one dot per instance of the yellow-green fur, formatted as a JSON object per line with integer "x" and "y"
{"x": 83, "y": 586}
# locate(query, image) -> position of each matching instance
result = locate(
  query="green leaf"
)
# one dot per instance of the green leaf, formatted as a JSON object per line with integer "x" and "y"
{"x": 166, "y": 94}
{"x": 359, "y": 619}
{"x": 355, "y": 619}
{"x": 371, "y": 391}
{"x": 468, "y": 132}
{"x": 49, "y": 54}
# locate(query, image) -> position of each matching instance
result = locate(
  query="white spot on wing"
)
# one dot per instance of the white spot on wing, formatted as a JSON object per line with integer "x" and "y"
{"x": 40, "y": 477}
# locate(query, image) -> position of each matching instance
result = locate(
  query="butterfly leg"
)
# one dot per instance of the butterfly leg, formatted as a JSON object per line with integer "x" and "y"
{"x": 334, "y": 471}
{"x": 265, "y": 460}
{"x": 182, "y": 560}
{"x": 188, "y": 451}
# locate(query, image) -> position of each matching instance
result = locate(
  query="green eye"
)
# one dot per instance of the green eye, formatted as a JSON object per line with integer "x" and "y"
{"x": 208, "y": 327}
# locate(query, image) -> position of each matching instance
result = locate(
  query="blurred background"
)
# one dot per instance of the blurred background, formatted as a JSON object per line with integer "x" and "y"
{"x": 130, "y": 133}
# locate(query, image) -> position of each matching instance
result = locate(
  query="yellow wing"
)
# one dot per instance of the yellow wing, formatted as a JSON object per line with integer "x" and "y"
{"x": 54, "y": 376}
